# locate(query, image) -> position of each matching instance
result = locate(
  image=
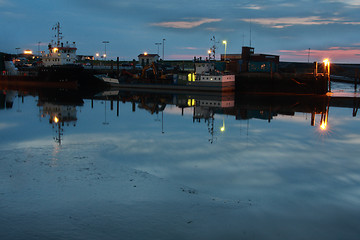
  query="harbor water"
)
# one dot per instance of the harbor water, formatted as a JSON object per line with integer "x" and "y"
{"x": 127, "y": 165}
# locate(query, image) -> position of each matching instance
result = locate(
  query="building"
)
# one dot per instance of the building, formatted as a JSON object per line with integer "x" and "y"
{"x": 146, "y": 59}
{"x": 230, "y": 57}
{"x": 248, "y": 61}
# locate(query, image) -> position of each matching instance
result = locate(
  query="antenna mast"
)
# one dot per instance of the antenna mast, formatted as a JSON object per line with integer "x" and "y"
{"x": 250, "y": 32}
{"x": 58, "y": 34}
{"x": 213, "y": 48}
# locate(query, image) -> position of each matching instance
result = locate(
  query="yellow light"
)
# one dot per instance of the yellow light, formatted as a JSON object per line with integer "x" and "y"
{"x": 191, "y": 102}
{"x": 104, "y": 55}
{"x": 191, "y": 77}
{"x": 56, "y": 119}
{"x": 323, "y": 126}
{"x": 145, "y": 53}
{"x": 222, "y": 129}
{"x": 224, "y": 42}
{"x": 55, "y": 50}
{"x": 28, "y": 52}
{"x": 326, "y": 61}
{"x": 97, "y": 54}
{"x": 209, "y": 51}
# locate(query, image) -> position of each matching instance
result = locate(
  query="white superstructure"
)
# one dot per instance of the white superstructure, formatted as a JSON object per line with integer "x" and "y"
{"x": 206, "y": 72}
{"x": 59, "y": 53}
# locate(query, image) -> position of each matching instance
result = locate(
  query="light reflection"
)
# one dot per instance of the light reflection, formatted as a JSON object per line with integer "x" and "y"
{"x": 204, "y": 108}
{"x": 323, "y": 126}
{"x": 222, "y": 129}
{"x": 56, "y": 119}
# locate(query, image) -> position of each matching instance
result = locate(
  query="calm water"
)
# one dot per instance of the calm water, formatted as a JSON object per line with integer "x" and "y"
{"x": 165, "y": 166}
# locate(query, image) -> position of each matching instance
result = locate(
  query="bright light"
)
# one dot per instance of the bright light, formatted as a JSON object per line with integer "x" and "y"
{"x": 55, "y": 50}
{"x": 225, "y": 42}
{"x": 209, "y": 51}
{"x": 323, "y": 126}
{"x": 104, "y": 55}
{"x": 326, "y": 61}
{"x": 191, "y": 77}
{"x": 28, "y": 51}
{"x": 97, "y": 54}
{"x": 191, "y": 102}
{"x": 56, "y": 119}
{"x": 145, "y": 53}
{"x": 222, "y": 129}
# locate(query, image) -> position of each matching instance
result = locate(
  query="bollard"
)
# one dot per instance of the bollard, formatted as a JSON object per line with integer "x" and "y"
{"x": 117, "y": 107}
{"x": 356, "y": 79}
{"x": 117, "y": 67}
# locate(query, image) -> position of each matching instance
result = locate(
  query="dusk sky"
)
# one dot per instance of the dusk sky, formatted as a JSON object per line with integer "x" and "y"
{"x": 330, "y": 28}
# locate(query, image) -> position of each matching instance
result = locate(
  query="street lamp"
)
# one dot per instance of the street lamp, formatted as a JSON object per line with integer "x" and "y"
{"x": 209, "y": 52}
{"x": 39, "y": 53}
{"x": 225, "y": 43}
{"x": 163, "y": 43}
{"x": 105, "y": 42}
{"x": 327, "y": 71}
{"x": 158, "y": 44}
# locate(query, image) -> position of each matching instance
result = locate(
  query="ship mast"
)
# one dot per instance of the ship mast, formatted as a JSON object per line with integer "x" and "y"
{"x": 58, "y": 34}
{"x": 213, "y": 48}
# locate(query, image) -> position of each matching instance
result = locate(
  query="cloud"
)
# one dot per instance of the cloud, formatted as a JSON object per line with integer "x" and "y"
{"x": 4, "y": 3}
{"x": 252, "y": 7}
{"x": 7, "y": 125}
{"x": 292, "y": 21}
{"x": 186, "y": 24}
{"x": 190, "y": 48}
{"x": 184, "y": 56}
{"x": 337, "y": 54}
{"x": 352, "y": 3}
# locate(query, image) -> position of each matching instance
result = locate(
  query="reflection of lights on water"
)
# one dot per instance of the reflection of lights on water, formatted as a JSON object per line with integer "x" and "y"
{"x": 222, "y": 129}
{"x": 56, "y": 119}
{"x": 191, "y": 102}
{"x": 323, "y": 126}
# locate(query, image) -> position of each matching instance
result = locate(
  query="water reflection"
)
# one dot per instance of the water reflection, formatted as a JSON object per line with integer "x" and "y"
{"x": 7, "y": 99}
{"x": 60, "y": 106}
{"x": 154, "y": 158}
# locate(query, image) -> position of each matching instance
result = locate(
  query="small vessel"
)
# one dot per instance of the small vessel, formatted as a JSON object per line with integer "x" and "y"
{"x": 211, "y": 74}
{"x": 58, "y": 68}
{"x": 206, "y": 77}
{"x": 59, "y": 53}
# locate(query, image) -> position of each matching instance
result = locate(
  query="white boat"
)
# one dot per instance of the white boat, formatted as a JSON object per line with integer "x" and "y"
{"x": 107, "y": 79}
{"x": 206, "y": 74}
{"x": 59, "y": 53}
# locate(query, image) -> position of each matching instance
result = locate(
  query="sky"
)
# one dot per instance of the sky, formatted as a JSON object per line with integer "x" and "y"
{"x": 329, "y": 28}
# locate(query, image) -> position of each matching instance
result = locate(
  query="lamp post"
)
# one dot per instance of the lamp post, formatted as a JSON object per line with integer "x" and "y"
{"x": 225, "y": 43}
{"x": 105, "y": 42}
{"x": 163, "y": 45}
{"x": 158, "y": 44}
{"x": 327, "y": 71}
{"x": 39, "y": 52}
{"x": 209, "y": 52}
